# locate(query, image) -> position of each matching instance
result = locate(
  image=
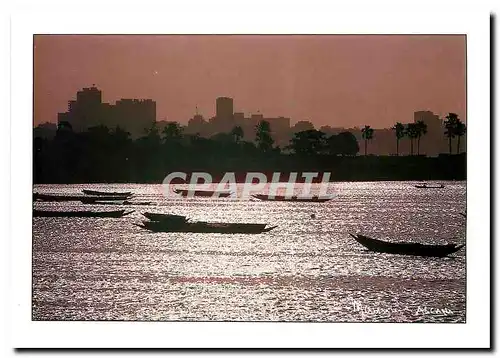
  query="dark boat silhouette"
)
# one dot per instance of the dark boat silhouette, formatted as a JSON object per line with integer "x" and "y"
{"x": 406, "y": 248}
{"x": 110, "y": 202}
{"x": 165, "y": 217}
{"x": 82, "y": 198}
{"x": 108, "y": 199}
{"x": 203, "y": 193}
{"x": 81, "y": 214}
{"x": 425, "y": 186}
{"x": 106, "y": 193}
{"x": 205, "y": 227}
{"x": 313, "y": 199}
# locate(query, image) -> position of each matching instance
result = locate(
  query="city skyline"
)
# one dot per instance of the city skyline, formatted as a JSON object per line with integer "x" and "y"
{"x": 136, "y": 116}
{"x": 307, "y": 81}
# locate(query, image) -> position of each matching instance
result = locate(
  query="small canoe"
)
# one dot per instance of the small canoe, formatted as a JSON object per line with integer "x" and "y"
{"x": 204, "y": 227}
{"x": 203, "y": 193}
{"x": 106, "y": 193}
{"x": 425, "y": 186}
{"x": 86, "y": 199}
{"x": 126, "y": 202}
{"x": 81, "y": 214}
{"x": 311, "y": 199}
{"x": 165, "y": 217}
{"x": 406, "y": 248}
{"x": 95, "y": 199}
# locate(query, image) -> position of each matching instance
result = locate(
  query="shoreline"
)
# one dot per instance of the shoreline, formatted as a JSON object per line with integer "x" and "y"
{"x": 243, "y": 182}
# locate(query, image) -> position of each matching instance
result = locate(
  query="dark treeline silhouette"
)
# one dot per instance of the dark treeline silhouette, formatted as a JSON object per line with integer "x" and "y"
{"x": 101, "y": 154}
{"x": 453, "y": 125}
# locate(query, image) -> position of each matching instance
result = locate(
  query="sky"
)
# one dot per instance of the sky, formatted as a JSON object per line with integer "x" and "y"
{"x": 336, "y": 80}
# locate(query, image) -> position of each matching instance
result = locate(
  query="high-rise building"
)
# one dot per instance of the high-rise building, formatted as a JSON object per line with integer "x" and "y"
{"x": 135, "y": 115}
{"x": 224, "y": 108}
{"x": 88, "y": 110}
{"x": 84, "y": 112}
{"x": 224, "y": 120}
{"x": 89, "y": 96}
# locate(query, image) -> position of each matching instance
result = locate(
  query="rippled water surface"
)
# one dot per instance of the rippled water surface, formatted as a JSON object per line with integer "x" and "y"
{"x": 304, "y": 270}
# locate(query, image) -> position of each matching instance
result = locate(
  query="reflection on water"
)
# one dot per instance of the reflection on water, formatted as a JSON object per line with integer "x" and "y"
{"x": 304, "y": 270}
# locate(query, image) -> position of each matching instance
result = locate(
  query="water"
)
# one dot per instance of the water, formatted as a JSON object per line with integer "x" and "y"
{"x": 304, "y": 270}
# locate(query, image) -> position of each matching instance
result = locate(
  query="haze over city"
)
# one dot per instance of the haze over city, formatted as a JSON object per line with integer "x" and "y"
{"x": 340, "y": 81}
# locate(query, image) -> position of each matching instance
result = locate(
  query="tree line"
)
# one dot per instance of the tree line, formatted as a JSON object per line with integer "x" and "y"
{"x": 101, "y": 154}
{"x": 453, "y": 125}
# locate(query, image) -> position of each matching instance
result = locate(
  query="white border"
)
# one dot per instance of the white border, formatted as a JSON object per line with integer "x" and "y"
{"x": 276, "y": 19}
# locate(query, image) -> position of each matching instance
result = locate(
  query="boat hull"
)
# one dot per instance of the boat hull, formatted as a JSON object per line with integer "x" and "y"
{"x": 429, "y": 187}
{"x": 83, "y": 199}
{"x": 202, "y": 193}
{"x": 106, "y": 193}
{"x": 202, "y": 227}
{"x": 110, "y": 202}
{"x": 403, "y": 248}
{"x": 81, "y": 214}
{"x": 313, "y": 199}
{"x": 165, "y": 217}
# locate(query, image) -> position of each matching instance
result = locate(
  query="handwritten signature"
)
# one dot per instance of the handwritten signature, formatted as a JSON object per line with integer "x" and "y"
{"x": 387, "y": 311}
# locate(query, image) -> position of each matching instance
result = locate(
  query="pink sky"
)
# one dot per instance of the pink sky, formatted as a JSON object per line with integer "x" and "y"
{"x": 336, "y": 80}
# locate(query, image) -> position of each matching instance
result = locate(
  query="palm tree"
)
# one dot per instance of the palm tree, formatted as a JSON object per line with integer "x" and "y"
{"x": 399, "y": 129}
{"x": 412, "y": 133}
{"x": 421, "y": 130}
{"x": 367, "y": 134}
{"x": 450, "y": 124}
{"x": 460, "y": 131}
{"x": 237, "y": 133}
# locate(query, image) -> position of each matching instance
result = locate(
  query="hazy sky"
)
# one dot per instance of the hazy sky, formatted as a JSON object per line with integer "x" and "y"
{"x": 341, "y": 81}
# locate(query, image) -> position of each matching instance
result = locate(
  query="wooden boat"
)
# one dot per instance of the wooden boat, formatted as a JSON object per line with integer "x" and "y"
{"x": 165, "y": 217}
{"x": 86, "y": 199}
{"x": 313, "y": 199}
{"x": 425, "y": 186}
{"x": 95, "y": 199}
{"x": 125, "y": 202}
{"x": 204, "y": 227}
{"x": 406, "y": 248}
{"x": 203, "y": 193}
{"x": 81, "y": 214}
{"x": 106, "y": 193}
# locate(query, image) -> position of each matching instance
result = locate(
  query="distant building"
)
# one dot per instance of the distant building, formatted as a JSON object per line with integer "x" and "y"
{"x": 224, "y": 107}
{"x": 239, "y": 118}
{"x": 301, "y": 126}
{"x": 87, "y": 110}
{"x": 197, "y": 125}
{"x": 135, "y": 115}
{"x": 223, "y": 120}
{"x": 434, "y": 141}
{"x": 279, "y": 124}
{"x": 45, "y": 130}
{"x": 226, "y": 119}
{"x": 433, "y": 122}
